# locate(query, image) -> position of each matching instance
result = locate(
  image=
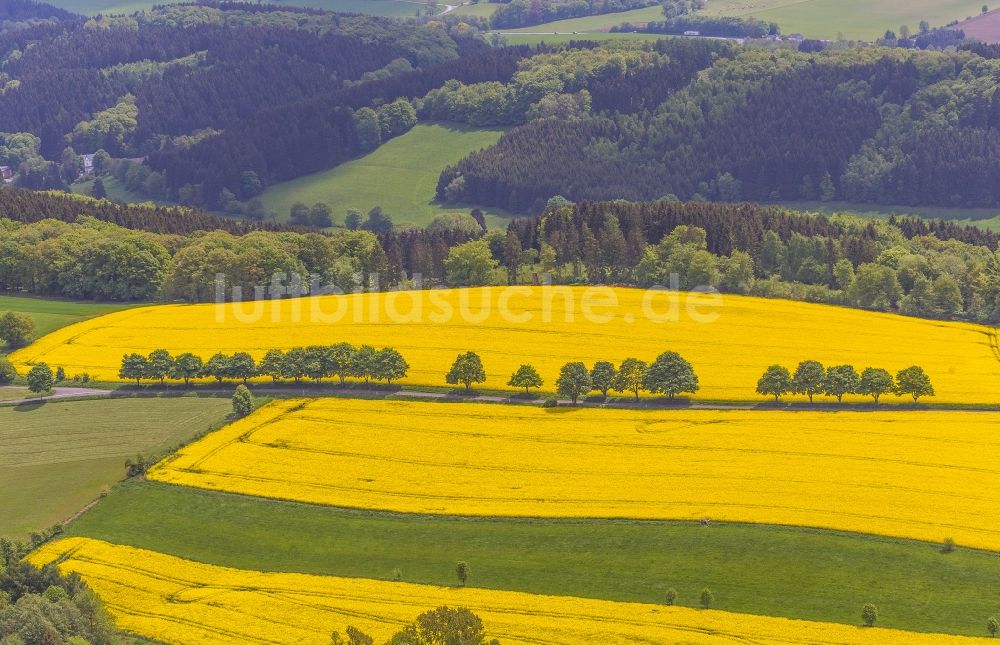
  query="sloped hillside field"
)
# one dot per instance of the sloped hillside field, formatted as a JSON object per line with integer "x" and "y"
{"x": 922, "y": 475}
{"x": 729, "y": 340}
{"x": 175, "y": 600}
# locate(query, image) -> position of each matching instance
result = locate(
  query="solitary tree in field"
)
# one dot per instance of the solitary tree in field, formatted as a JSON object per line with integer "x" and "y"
{"x": 16, "y": 328}
{"x": 242, "y": 401}
{"x": 670, "y": 375}
{"x": 706, "y": 598}
{"x": 159, "y": 365}
{"x": 776, "y": 381}
{"x": 462, "y": 571}
{"x": 272, "y": 364}
{"x": 809, "y": 379}
{"x": 992, "y": 626}
{"x": 40, "y": 379}
{"x": 526, "y": 376}
{"x": 467, "y": 369}
{"x": 242, "y": 366}
{"x": 869, "y": 615}
{"x": 915, "y": 382}
{"x": 629, "y": 376}
{"x": 603, "y": 376}
{"x": 671, "y": 596}
{"x": 875, "y": 382}
{"x": 134, "y": 366}
{"x": 390, "y": 365}
{"x": 574, "y": 381}
{"x": 841, "y": 380}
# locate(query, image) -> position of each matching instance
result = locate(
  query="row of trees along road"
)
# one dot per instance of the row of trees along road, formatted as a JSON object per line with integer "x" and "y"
{"x": 668, "y": 375}
{"x": 810, "y": 378}
{"x": 342, "y": 360}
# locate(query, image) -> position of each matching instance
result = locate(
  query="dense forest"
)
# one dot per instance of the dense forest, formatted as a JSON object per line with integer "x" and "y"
{"x": 109, "y": 252}
{"x": 215, "y": 102}
{"x": 876, "y": 125}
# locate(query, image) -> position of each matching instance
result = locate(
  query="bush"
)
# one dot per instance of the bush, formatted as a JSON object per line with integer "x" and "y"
{"x": 706, "y": 598}
{"x": 948, "y": 545}
{"x": 550, "y": 402}
{"x": 869, "y": 615}
{"x": 671, "y": 597}
{"x": 242, "y": 401}
{"x": 7, "y": 372}
{"x": 992, "y": 625}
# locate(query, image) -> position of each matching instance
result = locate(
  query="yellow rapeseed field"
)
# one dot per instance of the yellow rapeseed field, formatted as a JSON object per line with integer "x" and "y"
{"x": 178, "y": 601}
{"x": 923, "y": 475}
{"x": 730, "y": 340}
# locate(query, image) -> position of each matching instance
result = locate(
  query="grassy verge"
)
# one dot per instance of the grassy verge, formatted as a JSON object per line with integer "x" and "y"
{"x": 779, "y": 571}
{"x": 400, "y": 176}
{"x": 58, "y": 456}
{"x": 51, "y": 314}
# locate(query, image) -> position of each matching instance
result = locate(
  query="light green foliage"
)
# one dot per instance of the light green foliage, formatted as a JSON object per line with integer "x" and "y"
{"x": 470, "y": 264}
{"x": 109, "y": 129}
{"x": 630, "y": 376}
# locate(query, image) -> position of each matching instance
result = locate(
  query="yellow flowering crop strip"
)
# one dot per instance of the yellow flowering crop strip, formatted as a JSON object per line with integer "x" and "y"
{"x": 923, "y": 475}
{"x": 549, "y": 327}
{"x": 178, "y": 601}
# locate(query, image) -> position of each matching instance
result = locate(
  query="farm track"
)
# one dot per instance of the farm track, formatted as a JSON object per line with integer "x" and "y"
{"x": 451, "y": 397}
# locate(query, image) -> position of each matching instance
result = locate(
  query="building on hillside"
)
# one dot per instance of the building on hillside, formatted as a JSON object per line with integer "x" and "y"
{"x": 7, "y": 174}
{"x": 692, "y": 33}
{"x": 88, "y": 164}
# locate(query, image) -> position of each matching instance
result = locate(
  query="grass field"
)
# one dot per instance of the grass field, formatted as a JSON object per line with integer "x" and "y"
{"x": 116, "y": 192}
{"x": 985, "y": 218}
{"x": 602, "y": 22}
{"x": 400, "y": 176}
{"x": 855, "y": 19}
{"x": 765, "y": 570}
{"x": 903, "y": 474}
{"x": 371, "y": 7}
{"x": 481, "y": 9}
{"x": 556, "y": 39}
{"x": 175, "y": 600}
{"x": 59, "y": 455}
{"x": 730, "y": 340}
{"x": 50, "y": 315}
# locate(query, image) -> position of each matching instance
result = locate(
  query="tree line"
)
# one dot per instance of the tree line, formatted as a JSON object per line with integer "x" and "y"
{"x": 858, "y": 125}
{"x": 314, "y": 363}
{"x": 811, "y": 379}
